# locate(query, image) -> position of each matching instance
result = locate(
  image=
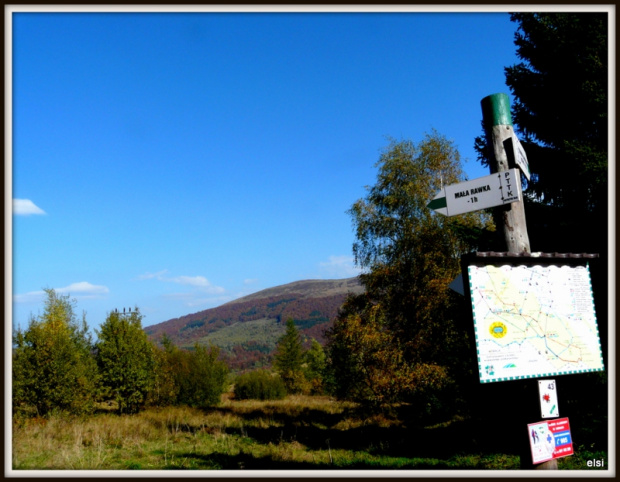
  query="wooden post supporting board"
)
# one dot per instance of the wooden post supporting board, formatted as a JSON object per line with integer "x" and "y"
{"x": 498, "y": 126}
{"x": 510, "y": 218}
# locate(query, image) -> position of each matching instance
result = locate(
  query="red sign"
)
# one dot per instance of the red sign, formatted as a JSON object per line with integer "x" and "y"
{"x": 550, "y": 440}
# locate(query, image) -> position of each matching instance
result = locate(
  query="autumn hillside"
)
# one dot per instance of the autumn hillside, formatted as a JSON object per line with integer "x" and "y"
{"x": 247, "y": 329}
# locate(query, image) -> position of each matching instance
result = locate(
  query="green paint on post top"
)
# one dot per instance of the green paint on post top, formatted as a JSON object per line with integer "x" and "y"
{"x": 496, "y": 110}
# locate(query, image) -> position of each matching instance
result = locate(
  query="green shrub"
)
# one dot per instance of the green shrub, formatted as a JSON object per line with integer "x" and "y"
{"x": 202, "y": 377}
{"x": 196, "y": 377}
{"x": 259, "y": 385}
{"x": 126, "y": 361}
{"x": 53, "y": 369}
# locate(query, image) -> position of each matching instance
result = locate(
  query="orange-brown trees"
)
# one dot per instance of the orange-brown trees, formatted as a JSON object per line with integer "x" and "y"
{"x": 395, "y": 341}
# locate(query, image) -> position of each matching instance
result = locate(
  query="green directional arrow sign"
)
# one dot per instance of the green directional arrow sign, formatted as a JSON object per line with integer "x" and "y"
{"x": 437, "y": 203}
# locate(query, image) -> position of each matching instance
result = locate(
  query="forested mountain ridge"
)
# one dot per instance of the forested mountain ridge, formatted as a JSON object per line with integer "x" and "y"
{"x": 248, "y": 328}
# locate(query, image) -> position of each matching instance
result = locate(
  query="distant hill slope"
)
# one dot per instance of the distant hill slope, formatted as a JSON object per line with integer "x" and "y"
{"x": 248, "y": 328}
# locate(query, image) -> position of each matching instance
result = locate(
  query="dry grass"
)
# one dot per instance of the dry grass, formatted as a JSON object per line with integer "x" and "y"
{"x": 297, "y": 433}
{"x": 159, "y": 438}
{"x": 292, "y": 405}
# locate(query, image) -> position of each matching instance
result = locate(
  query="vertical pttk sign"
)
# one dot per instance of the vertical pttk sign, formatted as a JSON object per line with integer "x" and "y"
{"x": 550, "y": 440}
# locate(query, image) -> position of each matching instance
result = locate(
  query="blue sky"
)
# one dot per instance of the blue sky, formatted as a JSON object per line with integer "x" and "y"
{"x": 177, "y": 161}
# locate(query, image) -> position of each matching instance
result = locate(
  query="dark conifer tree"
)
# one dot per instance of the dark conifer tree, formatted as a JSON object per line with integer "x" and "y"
{"x": 560, "y": 112}
{"x": 289, "y": 358}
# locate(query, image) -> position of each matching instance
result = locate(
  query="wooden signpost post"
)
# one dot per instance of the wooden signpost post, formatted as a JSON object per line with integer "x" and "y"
{"x": 497, "y": 324}
{"x": 498, "y": 125}
{"x": 497, "y": 122}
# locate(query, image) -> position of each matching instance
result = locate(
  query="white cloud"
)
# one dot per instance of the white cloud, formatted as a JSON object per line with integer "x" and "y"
{"x": 84, "y": 289}
{"x": 199, "y": 282}
{"x": 159, "y": 275}
{"x": 340, "y": 267}
{"x": 200, "y": 294}
{"x": 80, "y": 290}
{"x": 25, "y": 207}
{"x": 30, "y": 297}
{"x": 250, "y": 281}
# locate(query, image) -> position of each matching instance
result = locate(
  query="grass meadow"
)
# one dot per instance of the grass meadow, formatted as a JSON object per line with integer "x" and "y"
{"x": 297, "y": 433}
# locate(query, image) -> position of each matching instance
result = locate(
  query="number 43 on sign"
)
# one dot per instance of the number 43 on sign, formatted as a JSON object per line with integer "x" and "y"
{"x": 548, "y": 399}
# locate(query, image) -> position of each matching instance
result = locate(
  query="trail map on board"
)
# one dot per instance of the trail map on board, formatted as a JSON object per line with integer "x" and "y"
{"x": 534, "y": 321}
